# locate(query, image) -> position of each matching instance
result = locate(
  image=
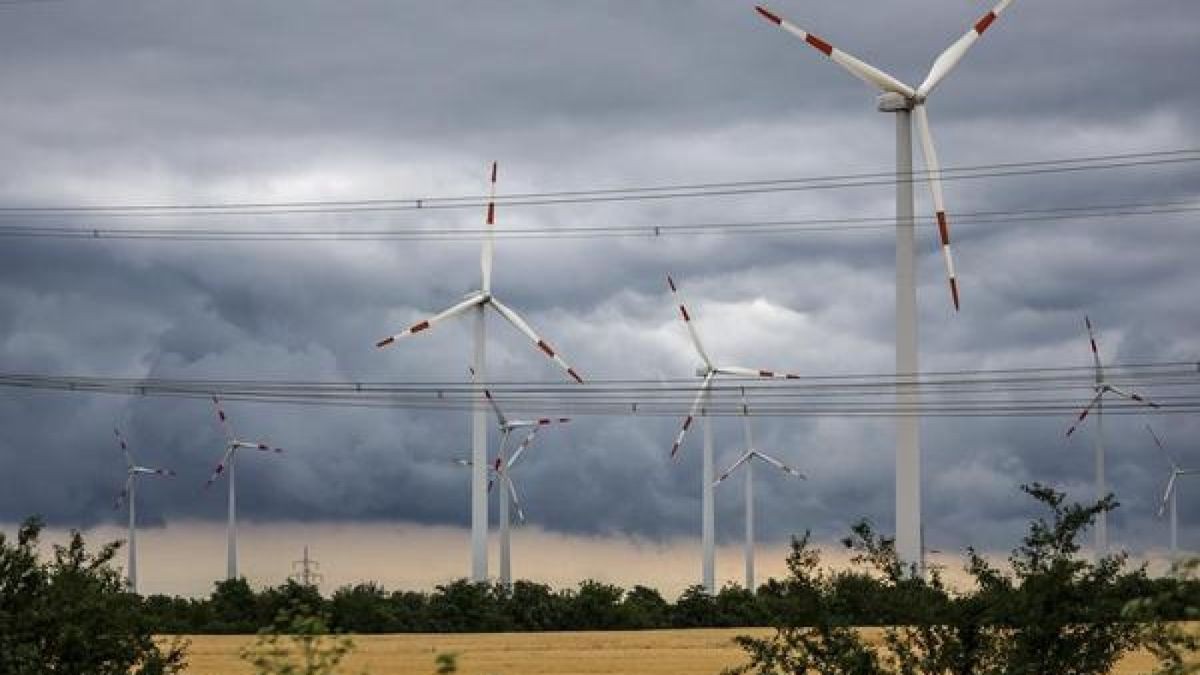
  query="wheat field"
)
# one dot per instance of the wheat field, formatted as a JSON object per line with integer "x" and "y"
{"x": 651, "y": 652}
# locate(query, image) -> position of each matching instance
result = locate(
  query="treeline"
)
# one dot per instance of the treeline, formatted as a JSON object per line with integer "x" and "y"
{"x": 855, "y": 597}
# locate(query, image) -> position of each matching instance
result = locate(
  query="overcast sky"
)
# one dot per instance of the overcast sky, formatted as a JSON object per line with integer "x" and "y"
{"x": 164, "y": 101}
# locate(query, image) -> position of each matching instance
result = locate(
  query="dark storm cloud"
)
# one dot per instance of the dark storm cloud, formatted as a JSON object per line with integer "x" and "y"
{"x": 148, "y": 102}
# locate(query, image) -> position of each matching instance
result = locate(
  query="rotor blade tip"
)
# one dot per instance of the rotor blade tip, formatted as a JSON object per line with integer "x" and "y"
{"x": 768, "y": 15}
{"x": 385, "y": 342}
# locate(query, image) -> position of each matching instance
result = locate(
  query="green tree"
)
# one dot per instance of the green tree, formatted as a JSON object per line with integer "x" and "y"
{"x": 644, "y": 607}
{"x": 72, "y": 615}
{"x": 362, "y": 608}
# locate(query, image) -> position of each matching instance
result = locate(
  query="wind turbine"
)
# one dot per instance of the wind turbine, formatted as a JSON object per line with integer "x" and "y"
{"x": 709, "y": 371}
{"x": 1170, "y": 492}
{"x": 1102, "y": 387}
{"x": 747, "y": 459}
{"x": 478, "y": 302}
{"x": 499, "y": 471}
{"x": 132, "y": 471}
{"x": 905, "y": 101}
{"x": 226, "y": 466}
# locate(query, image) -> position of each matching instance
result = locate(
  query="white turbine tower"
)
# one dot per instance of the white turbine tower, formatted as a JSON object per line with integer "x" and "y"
{"x": 129, "y": 493}
{"x": 478, "y": 302}
{"x": 1102, "y": 388}
{"x": 1169, "y": 499}
{"x": 226, "y": 466}
{"x": 747, "y": 459}
{"x": 709, "y": 371}
{"x": 905, "y": 101}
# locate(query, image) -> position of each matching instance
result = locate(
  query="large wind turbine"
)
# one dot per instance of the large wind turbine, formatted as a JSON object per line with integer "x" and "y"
{"x": 478, "y": 302}
{"x": 129, "y": 493}
{"x": 747, "y": 459}
{"x": 1169, "y": 493}
{"x": 905, "y": 101}
{"x": 226, "y": 466}
{"x": 1102, "y": 388}
{"x": 709, "y": 371}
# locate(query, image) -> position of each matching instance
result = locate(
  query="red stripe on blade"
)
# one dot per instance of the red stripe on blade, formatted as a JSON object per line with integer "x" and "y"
{"x": 417, "y": 328}
{"x": 687, "y": 423}
{"x": 683, "y": 310}
{"x": 768, "y": 15}
{"x": 546, "y": 348}
{"x": 572, "y": 373}
{"x": 494, "y": 165}
{"x": 985, "y": 22}
{"x": 765, "y": 373}
{"x": 671, "y": 282}
{"x": 819, "y": 44}
{"x": 943, "y": 228}
{"x": 954, "y": 291}
{"x": 385, "y": 342}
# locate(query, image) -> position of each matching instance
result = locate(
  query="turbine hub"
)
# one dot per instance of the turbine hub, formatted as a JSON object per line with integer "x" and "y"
{"x": 702, "y": 371}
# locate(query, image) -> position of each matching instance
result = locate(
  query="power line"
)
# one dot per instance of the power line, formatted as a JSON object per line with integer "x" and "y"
{"x": 756, "y": 227}
{"x": 625, "y": 194}
{"x": 1029, "y": 392}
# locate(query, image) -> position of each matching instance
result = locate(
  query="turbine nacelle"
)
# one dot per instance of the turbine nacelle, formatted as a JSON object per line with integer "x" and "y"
{"x": 893, "y": 101}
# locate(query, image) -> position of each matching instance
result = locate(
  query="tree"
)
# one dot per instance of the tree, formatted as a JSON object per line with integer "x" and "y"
{"x": 362, "y": 608}
{"x": 72, "y": 615}
{"x": 1052, "y": 612}
{"x": 644, "y": 607}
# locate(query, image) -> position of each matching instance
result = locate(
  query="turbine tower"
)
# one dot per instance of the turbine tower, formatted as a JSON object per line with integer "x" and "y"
{"x": 129, "y": 494}
{"x": 1102, "y": 388}
{"x": 906, "y": 102}
{"x": 478, "y": 302}
{"x": 1169, "y": 499}
{"x": 709, "y": 371}
{"x": 226, "y": 466}
{"x": 747, "y": 459}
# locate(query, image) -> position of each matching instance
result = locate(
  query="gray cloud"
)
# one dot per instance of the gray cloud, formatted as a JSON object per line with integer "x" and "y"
{"x": 126, "y": 102}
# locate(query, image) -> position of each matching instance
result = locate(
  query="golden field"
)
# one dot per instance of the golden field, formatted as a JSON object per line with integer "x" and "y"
{"x": 663, "y": 651}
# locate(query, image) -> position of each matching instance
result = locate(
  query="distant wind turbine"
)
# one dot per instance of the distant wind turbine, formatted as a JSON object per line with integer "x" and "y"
{"x": 226, "y": 466}
{"x": 1102, "y": 388}
{"x": 709, "y": 371}
{"x": 747, "y": 459}
{"x": 1169, "y": 498}
{"x": 129, "y": 494}
{"x": 905, "y": 101}
{"x": 478, "y": 302}
{"x": 499, "y": 472}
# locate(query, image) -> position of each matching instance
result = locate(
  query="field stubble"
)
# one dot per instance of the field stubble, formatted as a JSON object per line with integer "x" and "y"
{"x": 658, "y": 652}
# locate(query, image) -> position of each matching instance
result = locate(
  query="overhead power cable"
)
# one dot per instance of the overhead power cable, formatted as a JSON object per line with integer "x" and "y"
{"x": 754, "y": 227}
{"x": 625, "y": 194}
{"x": 1173, "y": 386}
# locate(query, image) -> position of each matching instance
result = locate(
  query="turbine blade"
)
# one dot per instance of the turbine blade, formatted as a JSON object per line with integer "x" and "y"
{"x": 522, "y": 447}
{"x": 489, "y": 242}
{"x": 263, "y": 447}
{"x": 934, "y": 169}
{"x": 1132, "y": 396}
{"x": 1162, "y": 507}
{"x": 524, "y": 327}
{"x": 124, "y": 448}
{"x": 779, "y": 465}
{"x": 124, "y": 493}
{"x": 733, "y": 467}
{"x": 1095, "y": 352}
{"x": 858, "y": 68}
{"x": 948, "y": 59}
{"x": 428, "y": 323}
{"x": 687, "y": 422}
{"x": 225, "y": 425}
{"x": 461, "y": 462}
{"x": 747, "y": 431}
{"x": 495, "y": 407}
{"x": 1162, "y": 449}
{"x": 1086, "y": 410}
{"x": 150, "y": 471}
{"x": 221, "y": 465}
{"x": 687, "y": 321}
{"x": 512, "y": 491}
{"x": 739, "y": 371}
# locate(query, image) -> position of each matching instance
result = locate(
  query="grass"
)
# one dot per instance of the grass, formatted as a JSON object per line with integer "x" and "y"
{"x": 663, "y": 651}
